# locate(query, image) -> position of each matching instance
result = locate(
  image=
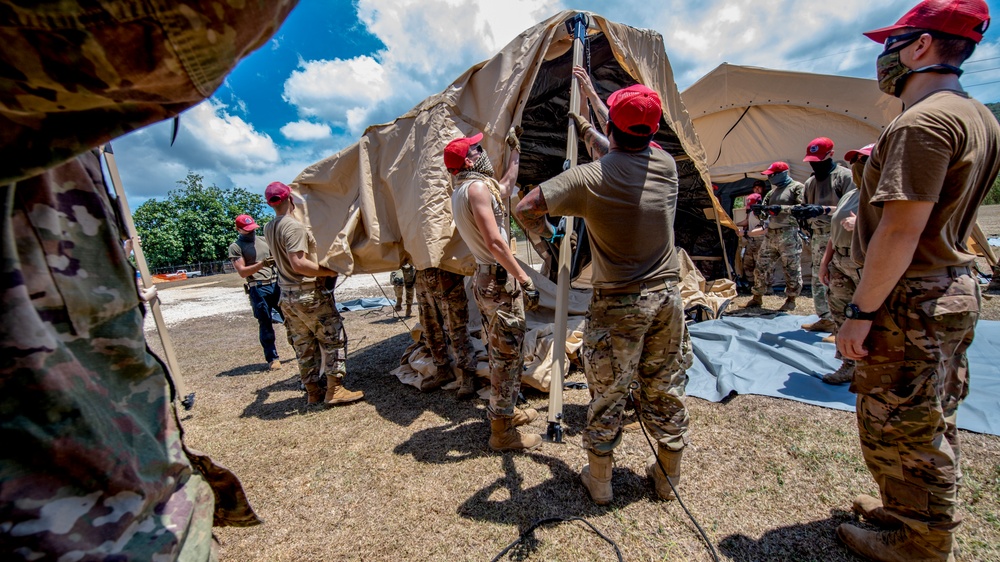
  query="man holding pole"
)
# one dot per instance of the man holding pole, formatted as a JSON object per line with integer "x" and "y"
{"x": 499, "y": 282}
{"x": 635, "y": 333}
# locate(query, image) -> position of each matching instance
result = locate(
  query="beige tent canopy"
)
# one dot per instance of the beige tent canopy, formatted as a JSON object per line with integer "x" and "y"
{"x": 389, "y": 192}
{"x": 748, "y": 117}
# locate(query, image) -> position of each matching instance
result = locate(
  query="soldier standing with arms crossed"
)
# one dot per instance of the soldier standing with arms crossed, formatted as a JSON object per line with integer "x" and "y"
{"x": 914, "y": 312}
{"x": 500, "y": 283}
{"x": 314, "y": 325}
{"x": 635, "y": 332}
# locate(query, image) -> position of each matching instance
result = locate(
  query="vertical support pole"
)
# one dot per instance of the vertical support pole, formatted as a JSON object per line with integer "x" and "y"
{"x": 577, "y": 26}
{"x": 187, "y": 400}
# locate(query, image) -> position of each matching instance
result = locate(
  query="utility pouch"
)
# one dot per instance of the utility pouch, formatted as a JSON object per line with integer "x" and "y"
{"x": 501, "y": 275}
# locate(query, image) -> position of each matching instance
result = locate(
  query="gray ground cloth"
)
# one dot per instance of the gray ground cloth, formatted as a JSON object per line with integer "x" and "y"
{"x": 363, "y": 304}
{"x": 775, "y": 357}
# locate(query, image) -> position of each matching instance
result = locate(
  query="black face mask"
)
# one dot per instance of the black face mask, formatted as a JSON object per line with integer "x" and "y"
{"x": 823, "y": 168}
{"x": 248, "y": 237}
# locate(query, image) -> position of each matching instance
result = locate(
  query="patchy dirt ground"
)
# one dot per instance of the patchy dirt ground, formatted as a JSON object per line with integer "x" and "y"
{"x": 407, "y": 475}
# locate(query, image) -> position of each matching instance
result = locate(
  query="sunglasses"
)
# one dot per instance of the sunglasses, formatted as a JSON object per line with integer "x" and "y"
{"x": 913, "y": 35}
{"x": 475, "y": 148}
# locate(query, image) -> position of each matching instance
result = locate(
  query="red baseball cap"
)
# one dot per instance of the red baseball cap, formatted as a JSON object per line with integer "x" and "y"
{"x": 753, "y": 199}
{"x": 819, "y": 149}
{"x": 457, "y": 150}
{"x": 246, "y": 222}
{"x": 635, "y": 110}
{"x": 775, "y": 168}
{"x": 277, "y": 192}
{"x": 865, "y": 150}
{"x": 964, "y": 18}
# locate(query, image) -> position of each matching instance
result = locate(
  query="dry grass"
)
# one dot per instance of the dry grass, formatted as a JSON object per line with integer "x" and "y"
{"x": 408, "y": 476}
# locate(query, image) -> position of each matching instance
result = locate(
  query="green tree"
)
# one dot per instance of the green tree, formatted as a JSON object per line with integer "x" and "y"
{"x": 195, "y": 223}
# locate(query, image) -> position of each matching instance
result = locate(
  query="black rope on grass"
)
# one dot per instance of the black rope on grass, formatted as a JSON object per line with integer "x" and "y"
{"x": 548, "y": 520}
{"x": 638, "y": 411}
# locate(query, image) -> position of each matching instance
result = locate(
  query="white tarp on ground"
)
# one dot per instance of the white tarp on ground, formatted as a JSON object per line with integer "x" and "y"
{"x": 748, "y": 117}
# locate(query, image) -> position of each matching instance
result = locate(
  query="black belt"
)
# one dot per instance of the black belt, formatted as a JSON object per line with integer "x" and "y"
{"x": 950, "y": 271}
{"x": 260, "y": 283}
{"x": 639, "y": 287}
{"x": 846, "y": 252}
{"x": 488, "y": 268}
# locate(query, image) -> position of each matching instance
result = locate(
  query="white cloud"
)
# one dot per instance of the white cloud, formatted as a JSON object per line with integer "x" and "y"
{"x": 306, "y": 131}
{"x": 227, "y": 139}
{"x": 329, "y": 89}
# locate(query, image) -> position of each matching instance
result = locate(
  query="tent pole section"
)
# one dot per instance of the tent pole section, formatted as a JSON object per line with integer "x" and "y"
{"x": 577, "y": 26}
{"x": 722, "y": 241}
{"x": 187, "y": 400}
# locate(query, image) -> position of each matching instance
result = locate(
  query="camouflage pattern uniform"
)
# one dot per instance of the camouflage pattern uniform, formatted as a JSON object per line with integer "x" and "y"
{"x": 93, "y": 463}
{"x": 909, "y": 389}
{"x": 781, "y": 246}
{"x": 403, "y": 278}
{"x": 752, "y": 245}
{"x": 503, "y": 328}
{"x": 315, "y": 329}
{"x": 444, "y": 314}
{"x": 825, "y": 192}
{"x": 94, "y": 466}
{"x": 817, "y": 245}
{"x": 637, "y": 337}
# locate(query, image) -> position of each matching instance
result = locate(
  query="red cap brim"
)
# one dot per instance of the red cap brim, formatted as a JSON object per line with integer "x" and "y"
{"x": 475, "y": 138}
{"x": 879, "y": 35}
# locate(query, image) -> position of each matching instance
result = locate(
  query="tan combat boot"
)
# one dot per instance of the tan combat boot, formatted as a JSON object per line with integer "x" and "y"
{"x": 314, "y": 393}
{"x": 466, "y": 384}
{"x": 844, "y": 374}
{"x": 873, "y": 512}
{"x": 789, "y": 305}
{"x": 523, "y": 417}
{"x": 275, "y": 365}
{"x": 504, "y": 437}
{"x": 821, "y": 325}
{"x": 899, "y": 545}
{"x": 336, "y": 394}
{"x": 596, "y": 477}
{"x": 755, "y": 302}
{"x": 671, "y": 461}
{"x": 409, "y": 309}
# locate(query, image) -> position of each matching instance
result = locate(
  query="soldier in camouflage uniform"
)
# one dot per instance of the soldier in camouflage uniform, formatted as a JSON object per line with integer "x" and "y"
{"x": 444, "y": 314}
{"x": 837, "y": 271}
{"x": 635, "y": 336}
{"x": 914, "y": 312}
{"x": 782, "y": 244}
{"x": 315, "y": 328}
{"x": 828, "y": 183}
{"x": 403, "y": 280}
{"x": 499, "y": 283}
{"x": 94, "y": 466}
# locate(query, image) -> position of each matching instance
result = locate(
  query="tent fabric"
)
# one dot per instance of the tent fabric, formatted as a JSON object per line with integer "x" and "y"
{"x": 748, "y": 117}
{"x": 389, "y": 193}
{"x": 775, "y": 357}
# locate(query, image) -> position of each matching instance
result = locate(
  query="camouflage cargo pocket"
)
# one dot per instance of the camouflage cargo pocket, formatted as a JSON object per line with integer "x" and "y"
{"x": 883, "y": 369}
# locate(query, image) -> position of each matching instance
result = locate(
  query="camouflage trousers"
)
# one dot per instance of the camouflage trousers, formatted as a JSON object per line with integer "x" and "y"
{"x": 399, "y": 295}
{"x": 316, "y": 332}
{"x": 909, "y": 388}
{"x": 752, "y": 248}
{"x": 503, "y": 332}
{"x": 93, "y": 465}
{"x": 641, "y": 339}
{"x": 781, "y": 246}
{"x": 817, "y": 244}
{"x": 444, "y": 314}
{"x": 844, "y": 278}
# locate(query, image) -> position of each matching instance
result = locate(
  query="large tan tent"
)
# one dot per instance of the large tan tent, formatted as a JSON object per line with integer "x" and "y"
{"x": 748, "y": 117}
{"x": 389, "y": 192}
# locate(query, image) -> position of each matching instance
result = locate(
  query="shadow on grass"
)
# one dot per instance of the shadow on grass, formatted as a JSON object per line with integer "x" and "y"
{"x": 252, "y": 369}
{"x": 262, "y": 409}
{"x": 816, "y": 540}
{"x": 562, "y": 495}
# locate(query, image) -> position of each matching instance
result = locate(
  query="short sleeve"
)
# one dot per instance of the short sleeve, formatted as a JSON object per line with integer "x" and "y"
{"x": 914, "y": 161}
{"x": 235, "y": 252}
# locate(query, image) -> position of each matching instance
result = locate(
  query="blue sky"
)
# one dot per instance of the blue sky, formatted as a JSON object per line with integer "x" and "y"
{"x": 337, "y": 66}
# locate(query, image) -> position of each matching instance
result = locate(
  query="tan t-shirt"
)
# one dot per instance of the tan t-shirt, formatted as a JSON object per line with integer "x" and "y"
{"x": 787, "y": 195}
{"x": 467, "y": 227}
{"x": 848, "y": 204}
{"x": 628, "y": 201}
{"x": 253, "y": 252}
{"x": 827, "y": 192}
{"x": 287, "y": 236}
{"x": 943, "y": 149}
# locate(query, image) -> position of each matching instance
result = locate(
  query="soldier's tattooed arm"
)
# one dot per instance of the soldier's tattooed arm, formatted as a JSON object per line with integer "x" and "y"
{"x": 531, "y": 211}
{"x": 596, "y": 143}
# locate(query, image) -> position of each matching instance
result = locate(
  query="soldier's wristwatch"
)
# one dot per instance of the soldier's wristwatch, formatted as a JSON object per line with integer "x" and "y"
{"x": 852, "y": 312}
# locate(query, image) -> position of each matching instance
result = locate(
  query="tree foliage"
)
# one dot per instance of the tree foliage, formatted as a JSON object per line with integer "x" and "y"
{"x": 195, "y": 222}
